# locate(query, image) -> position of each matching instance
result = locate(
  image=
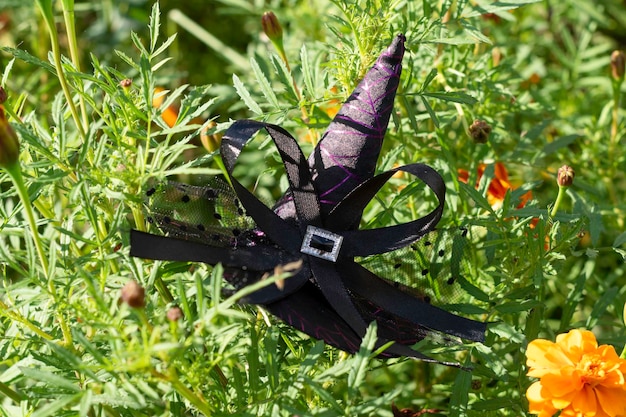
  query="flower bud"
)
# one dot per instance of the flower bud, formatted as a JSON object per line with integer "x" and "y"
{"x": 210, "y": 142}
{"x": 133, "y": 294}
{"x": 9, "y": 144}
{"x": 3, "y": 95}
{"x": 174, "y": 314}
{"x": 126, "y": 83}
{"x": 273, "y": 30}
{"x": 271, "y": 27}
{"x": 565, "y": 176}
{"x": 480, "y": 131}
{"x": 618, "y": 63}
{"x": 170, "y": 114}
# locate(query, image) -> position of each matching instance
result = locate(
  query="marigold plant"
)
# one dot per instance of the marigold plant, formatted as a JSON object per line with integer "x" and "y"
{"x": 576, "y": 376}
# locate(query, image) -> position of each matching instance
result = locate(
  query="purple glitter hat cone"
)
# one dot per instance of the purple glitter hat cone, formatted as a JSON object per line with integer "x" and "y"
{"x": 347, "y": 153}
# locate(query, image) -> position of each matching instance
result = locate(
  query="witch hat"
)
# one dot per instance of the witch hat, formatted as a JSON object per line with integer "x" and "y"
{"x": 331, "y": 297}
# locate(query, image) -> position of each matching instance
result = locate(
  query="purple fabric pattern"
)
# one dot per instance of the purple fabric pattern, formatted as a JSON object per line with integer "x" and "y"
{"x": 349, "y": 149}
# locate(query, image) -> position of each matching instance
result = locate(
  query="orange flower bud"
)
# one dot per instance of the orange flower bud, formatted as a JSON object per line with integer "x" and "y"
{"x": 210, "y": 142}
{"x": 9, "y": 144}
{"x": 618, "y": 63}
{"x": 170, "y": 114}
{"x": 133, "y": 294}
{"x": 565, "y": 176}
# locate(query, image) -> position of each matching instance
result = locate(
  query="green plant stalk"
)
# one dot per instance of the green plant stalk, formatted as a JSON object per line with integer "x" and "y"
{"x": 15, "y": 396}
{"x": 208, "y": 39}
{"x": 186, "y": 393}
{"x": 557, "y": 203}
{"x": 70, "y": 28}
{"x": 15, "y": 172}
{"x": 14, "y": 315}
{"x": 613, "y": 142}
{"x": 46, "y": 10}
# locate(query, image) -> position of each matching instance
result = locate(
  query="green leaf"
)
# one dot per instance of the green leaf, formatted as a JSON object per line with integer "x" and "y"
{"x": 599, "y": 308}
{"x": 154, "y": 26}
{"x": 51, "y": 409}
{"x": 619, "y": 240}
{"x": 560, "y": 143}
{"x": 164, "y": 46}
{"x": 245, "y": 96}
{"x": 50, "y": 379}
{"x": 28, "y": 58}
{"x": 497, "y": 7}
{"x": 285, "y": 77}
{"x": 453, "y": 96}
{"x": 477, "y": 197}
{"x": 264, "y": 84}
{"x": 307, "y": 72}
{"x": 431, "y": 112}
{"x": 429, "y": 79}
{"x": 360, "y": 361}
{"x": 460, "y": 391}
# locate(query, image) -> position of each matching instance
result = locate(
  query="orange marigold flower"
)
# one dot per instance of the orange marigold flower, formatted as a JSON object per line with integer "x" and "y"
{"x": 499, "y": 185}
{"x": 576, "y": 376}
{"x": 170, "y": 114}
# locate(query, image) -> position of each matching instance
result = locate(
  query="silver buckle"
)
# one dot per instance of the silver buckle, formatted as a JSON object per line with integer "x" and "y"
{"x": 321, "y": 243}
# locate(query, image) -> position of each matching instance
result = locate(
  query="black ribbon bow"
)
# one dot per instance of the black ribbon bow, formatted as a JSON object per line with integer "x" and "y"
{"x": 331, "y": 297}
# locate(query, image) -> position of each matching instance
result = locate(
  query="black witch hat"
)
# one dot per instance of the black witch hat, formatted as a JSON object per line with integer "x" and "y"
{"x": 316, "y": 222}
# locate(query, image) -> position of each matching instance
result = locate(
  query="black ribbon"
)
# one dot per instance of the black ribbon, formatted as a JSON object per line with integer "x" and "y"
{"x": 330, "y": 300}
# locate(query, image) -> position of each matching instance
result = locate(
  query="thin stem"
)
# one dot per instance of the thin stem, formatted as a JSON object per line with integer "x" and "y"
{"x": 165, "y": 293}
{"x": 15, "y": 396}
{"x": 16, "y": 316}
{"x": 189, "y": 395}
{"x": 557, "y": 203}
{"x": 70, "y": 28}
{"x": 46, "y": 10}
{"x": 614, "y": 140}
{"x": 15, "y": 173}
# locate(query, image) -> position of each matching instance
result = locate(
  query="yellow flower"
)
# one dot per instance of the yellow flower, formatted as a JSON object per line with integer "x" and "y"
{"x": 576, "y": 376}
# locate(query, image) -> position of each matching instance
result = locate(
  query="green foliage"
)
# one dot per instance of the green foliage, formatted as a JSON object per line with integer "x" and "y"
{"x": 537, "y": 73}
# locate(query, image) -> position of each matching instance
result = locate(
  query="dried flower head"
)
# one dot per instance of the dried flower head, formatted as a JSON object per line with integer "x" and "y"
{"x": 9, "y": 144}
{"x": 126, "y": 83}
{"x": 133, "y": 294}
{"x": 565, "y": 176}
{"x": 576, "y": 376}
{"x": 618, "y": 64}
{"x": 174, "y": 314}
{"x": 3, "y": 95}
{"x": 480, "y": 131}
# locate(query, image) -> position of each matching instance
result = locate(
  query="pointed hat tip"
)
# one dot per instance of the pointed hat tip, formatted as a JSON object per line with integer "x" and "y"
{"x": 395, "y": 51}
